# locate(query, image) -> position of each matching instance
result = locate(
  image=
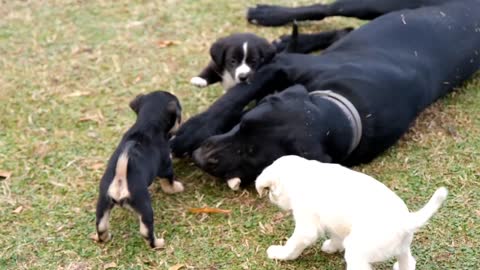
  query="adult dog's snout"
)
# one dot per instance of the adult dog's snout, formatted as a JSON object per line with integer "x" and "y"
{"x": 203, "y": 156}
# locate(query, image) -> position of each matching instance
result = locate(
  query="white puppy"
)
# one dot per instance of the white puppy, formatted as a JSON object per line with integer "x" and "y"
{"x": 361, "y": 215}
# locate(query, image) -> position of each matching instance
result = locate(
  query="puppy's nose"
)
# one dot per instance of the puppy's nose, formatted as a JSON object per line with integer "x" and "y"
{"x": 243, "y": 77}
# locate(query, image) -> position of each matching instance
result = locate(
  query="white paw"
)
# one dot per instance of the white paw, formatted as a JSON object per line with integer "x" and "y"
{"x": 199, "y": 82}
{"x": 396, "y": 266}
{"x": 234, "y": 183}
{"x": 168, "y": 188}
{"x": 159, "y": 243}
{"x": 277, "y": 253}
{"x": 329, "y": 247}
{"x": 177, "y": 187}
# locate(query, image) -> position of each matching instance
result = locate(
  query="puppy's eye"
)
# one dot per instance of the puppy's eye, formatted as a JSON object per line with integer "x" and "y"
{"x": 233, "y": 61}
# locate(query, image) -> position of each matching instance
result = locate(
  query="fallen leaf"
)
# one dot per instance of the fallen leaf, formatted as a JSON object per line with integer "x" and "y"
{"x": 4, "y": 175}
{"x": 94, "y": 117}
{"x": 137, "y": 79}
{"x": 176, "y": 267}
{"x": 77, "y": 94}
{"x": 166, "y": 43}
{"x": 96, "y": 166}
{"x": 209, "y": 210}
{"x": 109, "y": 265}
{"x": 18, "y": 210}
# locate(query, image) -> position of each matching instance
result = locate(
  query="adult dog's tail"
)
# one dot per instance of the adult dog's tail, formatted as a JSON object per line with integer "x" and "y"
{"x": 419, "y": 218}
{"x": 293, "y": 44}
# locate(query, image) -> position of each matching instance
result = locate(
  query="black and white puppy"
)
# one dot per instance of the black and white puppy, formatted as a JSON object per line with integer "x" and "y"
{"x": 142, "y": 154}
{"x": 235, "y": 59}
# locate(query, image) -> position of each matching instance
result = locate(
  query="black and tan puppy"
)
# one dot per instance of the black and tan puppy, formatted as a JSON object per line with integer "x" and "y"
{"x": 142, "y": 155}
{"x": 234, "y": 60}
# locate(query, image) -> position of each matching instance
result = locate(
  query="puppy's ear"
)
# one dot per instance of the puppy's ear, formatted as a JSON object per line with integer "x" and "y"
{"x": 267, "y": 52}
{"x": 136, "y": 103}
{"x": 217, "y": 52}
{"x": 264, "y": 183}
{"x": 175, "y": 113}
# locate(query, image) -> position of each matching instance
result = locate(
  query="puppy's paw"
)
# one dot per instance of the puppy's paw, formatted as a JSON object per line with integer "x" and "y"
{"x": 168, "y": 188}
{"x": 277, "y": 253}
{"x": 159, "y": 243}
{"x": 396, "y": 266}
{"x": 330, "y": 247}
{"x": 199, "y": 82}
{"x": 101, "y": 237}
{"x": 177, "y": 187}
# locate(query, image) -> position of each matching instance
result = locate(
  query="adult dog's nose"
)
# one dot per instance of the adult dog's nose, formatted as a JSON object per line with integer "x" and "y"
{"x": 203, "y": 156}
{"x": 197, "y": 156}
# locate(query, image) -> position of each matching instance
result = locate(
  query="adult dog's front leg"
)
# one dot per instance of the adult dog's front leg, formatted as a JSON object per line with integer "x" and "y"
{"x": 225, "y": 113}
{"x": 305, "y": 234}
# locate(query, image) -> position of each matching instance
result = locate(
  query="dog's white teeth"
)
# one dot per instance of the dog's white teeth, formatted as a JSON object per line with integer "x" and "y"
{"x": 234, "y": 183}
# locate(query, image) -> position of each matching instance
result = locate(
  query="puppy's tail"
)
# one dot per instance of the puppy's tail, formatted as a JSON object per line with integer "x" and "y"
{"x": 120, "y": 191}
{"x": 419, "y": 218}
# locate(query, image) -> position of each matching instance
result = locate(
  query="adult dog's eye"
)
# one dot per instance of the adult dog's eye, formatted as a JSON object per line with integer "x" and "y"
{"x": 233, "y": 61}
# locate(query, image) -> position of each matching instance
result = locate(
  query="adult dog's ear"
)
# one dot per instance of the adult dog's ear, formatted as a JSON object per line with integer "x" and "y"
{"x": 136, "y": 103}
{"x": 314, "y": 151}
{"x": 295, "y": 91}
{"x": 217, "y": 52}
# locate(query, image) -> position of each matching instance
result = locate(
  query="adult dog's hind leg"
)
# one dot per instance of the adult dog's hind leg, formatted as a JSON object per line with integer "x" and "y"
{"x": 307, "y": 43}
{"x": 270, "y": 15}
{"x": 104, "y": 207}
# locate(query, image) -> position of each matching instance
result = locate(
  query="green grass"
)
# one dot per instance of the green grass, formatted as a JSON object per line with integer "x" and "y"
{"x": 64, "y": 60}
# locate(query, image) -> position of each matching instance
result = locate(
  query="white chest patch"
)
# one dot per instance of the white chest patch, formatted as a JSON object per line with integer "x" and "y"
{"x": 227, "y": 80}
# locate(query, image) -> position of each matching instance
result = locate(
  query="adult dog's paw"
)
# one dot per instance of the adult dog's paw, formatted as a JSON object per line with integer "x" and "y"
{"x": 198, "y": 82}
{"x": 277, "y": 253}
{"x": 269, "y": 15}
{"x": 191, "y": 134}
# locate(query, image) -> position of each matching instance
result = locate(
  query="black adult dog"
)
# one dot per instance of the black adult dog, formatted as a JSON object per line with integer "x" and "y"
{"x": 380, "y": 77}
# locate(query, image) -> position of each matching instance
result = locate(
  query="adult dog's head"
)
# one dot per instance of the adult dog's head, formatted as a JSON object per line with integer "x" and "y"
{"x": 288, "y": 123}
{"x": 238, "y": 56}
